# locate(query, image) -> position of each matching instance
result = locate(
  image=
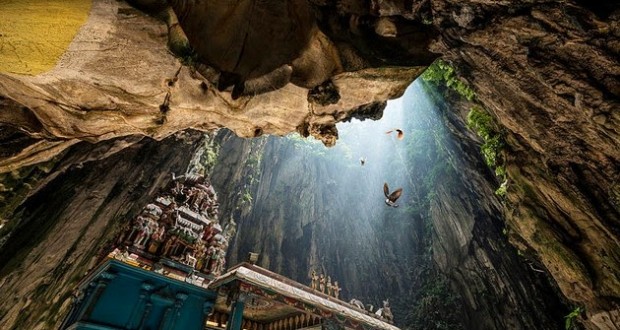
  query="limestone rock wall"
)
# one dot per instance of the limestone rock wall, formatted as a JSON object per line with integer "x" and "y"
{"x": 118, "y": 78}
{"x": 314, "y": 213}
{"x": 549, "y": 72}
{"x": 72, "y": 214}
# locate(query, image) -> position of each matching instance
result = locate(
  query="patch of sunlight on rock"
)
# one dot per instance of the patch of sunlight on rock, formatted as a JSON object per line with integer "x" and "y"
{"x": 35, "y": 33}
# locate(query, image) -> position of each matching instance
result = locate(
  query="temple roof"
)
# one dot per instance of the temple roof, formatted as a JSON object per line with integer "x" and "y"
{"x": 294, "y": 298}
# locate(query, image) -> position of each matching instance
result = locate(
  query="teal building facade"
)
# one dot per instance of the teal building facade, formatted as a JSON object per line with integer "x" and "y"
{"x": 120, "y": 296}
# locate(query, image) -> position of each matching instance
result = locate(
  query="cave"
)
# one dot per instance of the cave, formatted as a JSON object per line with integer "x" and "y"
{"x": 384, "y": 164}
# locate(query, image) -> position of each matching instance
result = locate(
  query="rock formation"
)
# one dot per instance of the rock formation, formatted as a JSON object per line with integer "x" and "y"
{"x": 340, "y": 225}
{"x": 547, "y": 71}
{"x": 75, "y": 213}
{"x": 118, "y": 78}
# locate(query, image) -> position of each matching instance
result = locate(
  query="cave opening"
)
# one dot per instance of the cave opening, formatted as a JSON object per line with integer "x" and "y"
{"x": 506, "y": 153}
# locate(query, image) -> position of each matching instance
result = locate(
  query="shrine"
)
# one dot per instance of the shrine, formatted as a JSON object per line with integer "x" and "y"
{"x": 251, "y": 297}
{"x": 167, "y": 271}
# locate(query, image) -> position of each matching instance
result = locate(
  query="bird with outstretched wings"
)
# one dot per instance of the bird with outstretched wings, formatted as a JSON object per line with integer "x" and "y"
{"x": 399, "y": 133}
{"x": 391, "y": 197}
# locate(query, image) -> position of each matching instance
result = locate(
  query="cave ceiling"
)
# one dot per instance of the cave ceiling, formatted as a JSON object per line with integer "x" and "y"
{"x": 547, "y": 71}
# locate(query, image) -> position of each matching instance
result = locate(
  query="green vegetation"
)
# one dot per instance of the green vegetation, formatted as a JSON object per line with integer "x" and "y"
{"x": 251, "y": 171}
{"x": 315, "y": 148}
{"x": 503, "y": 188}
{"x": 483, "y": 124}
{"x": 436, "y": 306}
{"x": 570, "y": 318}
{"x": 309, "y": 145}
{"x": 246, "y": 198}
{"x": 206, "y": 156}
{"x": 442, "y": 73}
{"x": 431, "y": 303}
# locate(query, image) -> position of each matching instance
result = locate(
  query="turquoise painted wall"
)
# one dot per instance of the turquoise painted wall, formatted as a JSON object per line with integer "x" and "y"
{"x": 120, "y": 296}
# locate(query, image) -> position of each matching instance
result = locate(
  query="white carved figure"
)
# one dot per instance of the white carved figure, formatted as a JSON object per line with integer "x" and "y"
{"x": 387, "y": 311}
{"x": 153, "y": 210}
{"x": 336, "y": 289}
{"x": 356, "y": 303}
{"x": 190, "y": 260}
{"x": 144, "y": 233}
{"x": 330, "y": 287}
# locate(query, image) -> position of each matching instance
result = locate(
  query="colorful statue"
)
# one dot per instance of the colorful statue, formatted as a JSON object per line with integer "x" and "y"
{"x": 143, "y": 234}
{"x": 170, "y": 245}
{"x": 169, "y": 214}
{"x": 208, "y": 232}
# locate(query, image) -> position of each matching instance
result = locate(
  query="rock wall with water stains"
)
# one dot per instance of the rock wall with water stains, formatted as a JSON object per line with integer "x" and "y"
{"x": 315, "y": 211}
{"x": 72, "y": 214}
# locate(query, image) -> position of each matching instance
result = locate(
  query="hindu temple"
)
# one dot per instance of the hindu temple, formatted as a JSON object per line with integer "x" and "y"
{"x": 167, "y": 270}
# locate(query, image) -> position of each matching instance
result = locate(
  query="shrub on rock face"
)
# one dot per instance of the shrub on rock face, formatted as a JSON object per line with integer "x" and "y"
{"x": 441, "y": 72}
{"x": 482, "y": 123}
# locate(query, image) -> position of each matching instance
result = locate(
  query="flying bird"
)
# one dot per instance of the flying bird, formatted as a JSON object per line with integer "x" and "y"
{"x": 391, "y": 198}
{"x": 362, "y": 161}
{"x": 399, "y": 133}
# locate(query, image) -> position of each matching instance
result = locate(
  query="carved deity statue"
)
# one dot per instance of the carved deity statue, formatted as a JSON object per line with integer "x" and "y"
{"x": 153, "y": 210}
{"x": 330, "y": 287}
{"x": 138, "y": 224}
{"x": 158, "y": 235}
{"x": 322, "y": 282}
{"x": 169, "y": 215}
{"x": 144, "y": 234}
{"x": 314, "y": 280}
{"x": 387, "y": 311}
{"x": 190, "y": 260}
{"x": 214, "y": 253}
{"x": 169, "y": 245}
{"x": 336, "y": 289}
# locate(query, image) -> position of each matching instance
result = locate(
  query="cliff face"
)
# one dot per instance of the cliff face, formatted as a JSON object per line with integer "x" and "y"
{"x": 549, "y": 74}
{"x": 471, "y": 244}
{"x": 62, "y": 225}
{"x": 320, "y": 209}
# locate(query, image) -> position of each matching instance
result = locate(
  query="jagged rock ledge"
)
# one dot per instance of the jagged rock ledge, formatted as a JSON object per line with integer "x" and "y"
{"x": 118, "y": 78}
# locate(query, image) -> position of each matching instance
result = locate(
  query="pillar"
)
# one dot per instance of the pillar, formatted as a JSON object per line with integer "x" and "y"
{"x": 236, "y": 314}
{"x": 136, "y": 313}
{"x": 94, "y": 291}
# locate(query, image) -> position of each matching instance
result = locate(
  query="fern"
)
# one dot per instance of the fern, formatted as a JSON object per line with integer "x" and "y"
{"x": 570, "y": 318}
